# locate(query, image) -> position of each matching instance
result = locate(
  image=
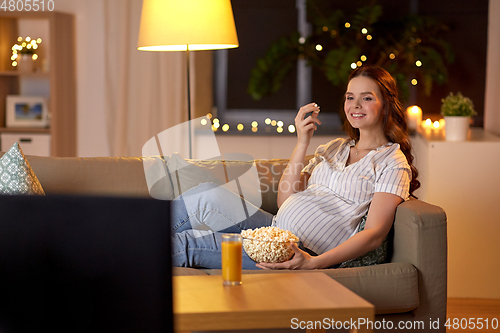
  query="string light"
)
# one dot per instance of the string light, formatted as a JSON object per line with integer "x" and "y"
{"x": 279, "y": 124}
{"x": 347, "y": 25}
{"x": 369, "y": 37}
{"x": 319, "y": 47}
{"x": 364, "y": 31}
{"x": 363, "y": 58}
{"x": 25, "y": 46}
{"x": 414, "y": 82}
{"x": 418, "y": 63}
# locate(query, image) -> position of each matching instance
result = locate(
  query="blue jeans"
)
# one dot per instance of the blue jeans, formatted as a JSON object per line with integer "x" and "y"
{"x": 201, "y": 215}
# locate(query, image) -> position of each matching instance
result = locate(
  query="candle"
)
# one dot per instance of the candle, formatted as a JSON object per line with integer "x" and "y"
{"x": 414, "y": 117}
{"x": 427, "y": 125}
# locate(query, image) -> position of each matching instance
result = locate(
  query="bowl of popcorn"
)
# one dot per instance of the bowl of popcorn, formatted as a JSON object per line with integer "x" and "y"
{"x": 268, "y": 244}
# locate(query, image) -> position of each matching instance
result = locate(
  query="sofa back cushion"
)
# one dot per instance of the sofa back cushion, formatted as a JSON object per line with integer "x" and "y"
{"x": 124, "y": 176}
{"x": 109, "y": 176}
{"x": 256, "y": 180}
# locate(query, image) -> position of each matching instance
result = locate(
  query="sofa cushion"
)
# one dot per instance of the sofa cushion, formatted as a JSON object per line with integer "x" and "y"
{"x": 185, "y": 174}
{"x": 16, "y": 175}
{"x": 109, "y": 176}
{"x": 398, "y": 282}
{"x": 170, "y": 176}
{"x": 373, "y": 257}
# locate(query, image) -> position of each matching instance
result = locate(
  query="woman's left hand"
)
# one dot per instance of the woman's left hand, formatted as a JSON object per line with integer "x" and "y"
{"x": 300, "y": 260}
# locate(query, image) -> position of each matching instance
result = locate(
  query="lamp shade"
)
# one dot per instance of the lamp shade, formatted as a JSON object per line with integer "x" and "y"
{"x": 178, "y": 25}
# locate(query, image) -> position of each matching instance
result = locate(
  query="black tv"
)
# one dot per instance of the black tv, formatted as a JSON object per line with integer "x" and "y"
{"x": 85, "y": 264}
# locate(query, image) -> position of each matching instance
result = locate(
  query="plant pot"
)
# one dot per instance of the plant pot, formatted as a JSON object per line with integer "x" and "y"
{"x": 457, "y": 128}
{"x": 26, "y": 64}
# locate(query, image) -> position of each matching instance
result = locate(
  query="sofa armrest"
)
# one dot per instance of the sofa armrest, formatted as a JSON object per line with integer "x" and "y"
{"x": 420, "y": 238}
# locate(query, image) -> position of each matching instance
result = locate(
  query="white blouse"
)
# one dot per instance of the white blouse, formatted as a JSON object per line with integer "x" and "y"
{"x": 337, "y": 196}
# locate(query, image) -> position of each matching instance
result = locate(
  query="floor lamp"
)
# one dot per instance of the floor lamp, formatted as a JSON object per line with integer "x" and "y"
{"x": 187, "y": 25}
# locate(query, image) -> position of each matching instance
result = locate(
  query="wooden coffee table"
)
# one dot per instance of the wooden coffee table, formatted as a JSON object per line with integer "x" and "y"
{"x": 278, "y": 300}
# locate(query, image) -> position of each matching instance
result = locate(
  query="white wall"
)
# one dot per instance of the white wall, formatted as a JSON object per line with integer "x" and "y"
{"x": 492, "y": 95}
{"x": 470, "y": 204}
{"x": 263, "y": 147}
{"x": 91, "y": 127}
{"x": 91, "y": 139}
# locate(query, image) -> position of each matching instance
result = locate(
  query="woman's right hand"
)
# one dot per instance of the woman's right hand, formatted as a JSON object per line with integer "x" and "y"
{"x": 307, "y": 125}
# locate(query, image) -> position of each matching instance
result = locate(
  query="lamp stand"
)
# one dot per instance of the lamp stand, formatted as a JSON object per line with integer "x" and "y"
{"x": 189, "y": 102}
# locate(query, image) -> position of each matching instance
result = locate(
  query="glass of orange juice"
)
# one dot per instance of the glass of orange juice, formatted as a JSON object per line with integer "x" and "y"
{"x": 231, "y": 259}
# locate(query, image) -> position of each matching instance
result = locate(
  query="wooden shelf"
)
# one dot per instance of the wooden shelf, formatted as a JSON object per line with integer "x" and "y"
{"x": 24, "y": 74}
{"x": 58, "y": 84}
{"x": 24, "y": 130}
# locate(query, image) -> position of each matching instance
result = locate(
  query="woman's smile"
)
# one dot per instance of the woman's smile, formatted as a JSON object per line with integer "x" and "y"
{"x": 358, "y": 115}
{"x": 363, "y": 103}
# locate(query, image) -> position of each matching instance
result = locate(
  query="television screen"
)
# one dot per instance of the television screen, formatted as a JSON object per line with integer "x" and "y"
{"x": 84, "y": 264}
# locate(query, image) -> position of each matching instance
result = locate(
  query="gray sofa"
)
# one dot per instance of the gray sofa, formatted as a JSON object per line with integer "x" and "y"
{"x": 411, "y": 287}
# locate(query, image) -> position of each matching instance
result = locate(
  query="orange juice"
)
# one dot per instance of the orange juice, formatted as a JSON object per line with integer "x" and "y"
{"x": 231, "y": 261}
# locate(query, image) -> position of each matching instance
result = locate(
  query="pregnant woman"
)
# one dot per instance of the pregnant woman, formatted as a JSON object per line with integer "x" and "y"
{"x": 369, "y": 174}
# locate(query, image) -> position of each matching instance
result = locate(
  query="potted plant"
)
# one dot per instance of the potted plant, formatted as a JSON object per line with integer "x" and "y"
{"x": 24, "y": 53}
{"x": 457, "y": 111}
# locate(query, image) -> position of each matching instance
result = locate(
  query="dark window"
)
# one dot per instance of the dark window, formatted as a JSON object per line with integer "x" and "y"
{"x": 261, "y": 22}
